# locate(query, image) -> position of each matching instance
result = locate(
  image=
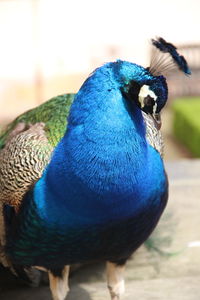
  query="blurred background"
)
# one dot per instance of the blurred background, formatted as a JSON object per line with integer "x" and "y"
{"x": 50, "y": 47}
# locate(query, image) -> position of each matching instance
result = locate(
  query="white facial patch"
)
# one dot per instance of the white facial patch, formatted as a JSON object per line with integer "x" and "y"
{"x": 154, "y": 108}
{"x": 144, "y": 92}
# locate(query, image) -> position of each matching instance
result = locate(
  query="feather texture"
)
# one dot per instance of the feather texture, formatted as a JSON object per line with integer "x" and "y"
{"x": 90, "y": 183}
{"x": 19, "y": 172}
{"x": 166, "y": 58}
{"x": 18, "y": 138}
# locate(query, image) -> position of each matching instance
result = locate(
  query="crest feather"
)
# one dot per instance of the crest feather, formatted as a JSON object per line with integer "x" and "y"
{"x": 165, "y": 58}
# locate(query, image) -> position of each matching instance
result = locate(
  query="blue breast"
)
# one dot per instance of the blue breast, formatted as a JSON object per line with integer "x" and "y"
{"x": 104, "y": 183}
{"x": 103, "y": 169}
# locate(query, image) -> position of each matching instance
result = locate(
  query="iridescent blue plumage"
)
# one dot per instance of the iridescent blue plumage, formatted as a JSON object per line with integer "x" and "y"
{"x": 103, "y": 154}
{"x": 103, "y": 178}
{"x": 105, "y": 188}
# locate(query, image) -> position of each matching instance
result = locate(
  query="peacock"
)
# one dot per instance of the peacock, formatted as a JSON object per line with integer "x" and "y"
{"x": 82, "y": 175}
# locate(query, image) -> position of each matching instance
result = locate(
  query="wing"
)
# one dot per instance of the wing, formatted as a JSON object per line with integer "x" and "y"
{"x": 52, "y": 113}
{"x": 27, "y": 144}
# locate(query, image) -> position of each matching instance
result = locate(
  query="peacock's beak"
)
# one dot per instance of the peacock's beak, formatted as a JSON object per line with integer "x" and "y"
{"x": 157, "y": 120}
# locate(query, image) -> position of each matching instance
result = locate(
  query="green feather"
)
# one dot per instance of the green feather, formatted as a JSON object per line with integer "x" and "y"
{"x": 53, "y": 113}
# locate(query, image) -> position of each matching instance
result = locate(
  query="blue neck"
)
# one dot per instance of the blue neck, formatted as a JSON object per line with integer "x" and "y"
{"x": 96, "y": 170}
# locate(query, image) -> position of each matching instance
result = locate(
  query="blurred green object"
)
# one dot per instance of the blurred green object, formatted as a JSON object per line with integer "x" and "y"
{"x": 186, "y": 124}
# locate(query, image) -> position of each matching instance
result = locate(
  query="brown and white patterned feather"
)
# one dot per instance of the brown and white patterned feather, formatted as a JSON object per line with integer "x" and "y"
{"x": 22, "y": 161}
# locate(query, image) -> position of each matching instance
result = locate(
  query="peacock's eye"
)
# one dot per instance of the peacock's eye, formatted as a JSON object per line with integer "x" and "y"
{"x": 143, "y": 96}
{"x": 147, "y": 99}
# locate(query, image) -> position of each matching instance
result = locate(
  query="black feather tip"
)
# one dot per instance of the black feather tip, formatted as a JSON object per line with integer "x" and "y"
{"x": 170, "y": 60}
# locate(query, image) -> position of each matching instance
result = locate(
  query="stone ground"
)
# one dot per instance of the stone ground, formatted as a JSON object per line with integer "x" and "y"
{"x": 168, "y": 266}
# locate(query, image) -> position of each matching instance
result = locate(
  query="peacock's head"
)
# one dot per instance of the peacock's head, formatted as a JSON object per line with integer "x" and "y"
{"x": 147, "y": 87}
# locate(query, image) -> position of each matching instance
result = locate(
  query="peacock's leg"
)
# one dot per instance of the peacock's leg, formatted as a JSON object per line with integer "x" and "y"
{"x": 58, "y": 280}
{"x": 115, "y": 279}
